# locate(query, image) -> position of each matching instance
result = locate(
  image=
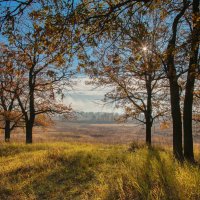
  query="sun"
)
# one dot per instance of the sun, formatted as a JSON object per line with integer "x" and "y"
{"x": 144, "y": 48}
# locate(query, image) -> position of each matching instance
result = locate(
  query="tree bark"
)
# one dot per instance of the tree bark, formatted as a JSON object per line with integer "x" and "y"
{"x": 174, "y": 87}
{"x": 7, "y": 131}
{"x": 31, "y": 118}
{"x": 148, "y": 114}
{"x": 188, "y": 101}
{"x": 176, "y": 119}
{"x": 187, "y": 120}
{"x": 29, "y": 130}
{"x": 148, "y": 131}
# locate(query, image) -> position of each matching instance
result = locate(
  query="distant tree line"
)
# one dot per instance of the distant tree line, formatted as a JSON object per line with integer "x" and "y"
{"x": 97, "y": 117}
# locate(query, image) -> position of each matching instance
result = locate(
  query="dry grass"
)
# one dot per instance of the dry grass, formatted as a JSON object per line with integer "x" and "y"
{"x": 93, "y": 133}
{"x": 94, "y": 171}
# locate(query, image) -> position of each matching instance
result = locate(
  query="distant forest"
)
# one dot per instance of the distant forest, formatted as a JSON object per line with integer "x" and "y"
{"x": 104, "y": 117}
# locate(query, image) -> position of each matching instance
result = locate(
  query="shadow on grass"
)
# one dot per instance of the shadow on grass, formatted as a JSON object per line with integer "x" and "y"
{"x": 14, "y": 149}
{"x": 158, "y": 182}
{"x": 86, "y": 174}
{"x": 61, "y": 178}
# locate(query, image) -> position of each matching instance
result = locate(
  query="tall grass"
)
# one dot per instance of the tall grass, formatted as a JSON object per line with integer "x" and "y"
{"x": 87, "y": 171}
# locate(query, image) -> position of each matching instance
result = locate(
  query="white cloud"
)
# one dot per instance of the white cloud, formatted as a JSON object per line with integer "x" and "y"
{"x": 87, "y": 98}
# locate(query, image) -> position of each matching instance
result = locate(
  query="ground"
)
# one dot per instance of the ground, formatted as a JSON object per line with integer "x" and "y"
{"x": 95, "y": 161}
{"x": 94, "y": 171}
{"x": 112, "y": 133}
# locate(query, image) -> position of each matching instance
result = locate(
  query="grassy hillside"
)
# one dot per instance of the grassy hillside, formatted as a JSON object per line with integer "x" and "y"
{"x": 84, "y": 171}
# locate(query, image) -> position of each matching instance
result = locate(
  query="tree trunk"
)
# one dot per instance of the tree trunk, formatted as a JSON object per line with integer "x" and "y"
{"x": 174, "y": 87}
{"x": 7, "y": 131}
{"x": 148, "y": 131}
{"x": 31, "y": 118}
{"x": 148, "y": 114}
{"x": 176, "y": 119}
{"x": 187, "y": 120}
{"x": 29, "y": 130}
{"x": 188, "y": 102}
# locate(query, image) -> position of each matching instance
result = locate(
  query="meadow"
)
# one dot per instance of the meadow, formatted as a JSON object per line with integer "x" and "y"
{"x": 90, "y": 132}
{"x": 69, "y": 170}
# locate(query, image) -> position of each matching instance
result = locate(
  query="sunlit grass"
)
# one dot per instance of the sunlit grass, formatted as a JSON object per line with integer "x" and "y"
{"x": 89, "y": 171}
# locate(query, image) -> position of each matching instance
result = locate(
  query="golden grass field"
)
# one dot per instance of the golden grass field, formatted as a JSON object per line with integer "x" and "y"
{"x": 79, "y": 161}
{"x": 78, "y": 171}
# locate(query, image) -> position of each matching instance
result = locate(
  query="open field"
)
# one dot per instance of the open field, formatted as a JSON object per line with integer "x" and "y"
{"x": 94, "y": 161}
{"x": 75, "y": 171}
{"x": 97, "y": 133}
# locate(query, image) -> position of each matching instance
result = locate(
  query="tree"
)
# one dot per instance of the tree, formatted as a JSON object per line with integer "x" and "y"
{"x": 42, "y": 59}
{"x": 9, "y": 10}
{"x": 173, "y": 76}
{"x": 133, "y": 69}
{"x": 179, "y": 18}
{"x": 178, "y": 61}
{"x": 193, "y": 70}
{"x": 196, "y": 102}
{"x": 12, "y": 10}
{"x": 10, "y": 83}
{"x": 180, "y": 28}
